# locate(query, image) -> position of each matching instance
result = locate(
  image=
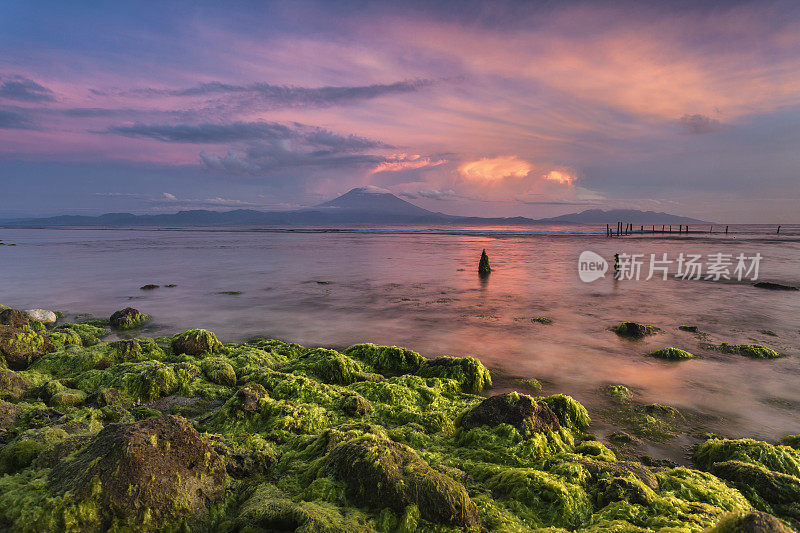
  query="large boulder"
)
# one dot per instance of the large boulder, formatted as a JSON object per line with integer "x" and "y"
{"x": 382, "y": 473}
{"x": 155, "y": 474}
{"x": 127, "y": 318}
{"x": 42, "y": 315}
{"x": 526, "y": 414}
{"x": 22, "y": 346}
{"x": 195, "y": 342}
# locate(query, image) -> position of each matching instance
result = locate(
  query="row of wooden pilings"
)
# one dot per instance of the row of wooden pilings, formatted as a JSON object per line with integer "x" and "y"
{"x": 628, "y": 229}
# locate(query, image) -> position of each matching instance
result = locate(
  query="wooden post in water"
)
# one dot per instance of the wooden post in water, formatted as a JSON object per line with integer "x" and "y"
{"x": 726, "y": 230}
{"x": 654, "y": 228}
{"x": 687, "y": 229}
{"x": 662, "y": 228}
{"x": 779, "y": 231}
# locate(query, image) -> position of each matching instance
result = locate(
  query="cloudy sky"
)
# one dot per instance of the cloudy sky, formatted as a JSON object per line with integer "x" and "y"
{"x": 485, "y": 108}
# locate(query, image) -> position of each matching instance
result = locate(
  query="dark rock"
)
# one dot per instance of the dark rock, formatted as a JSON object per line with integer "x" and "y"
{"x": 155, "y": 472}
{"x": 381, "y": 473}
{"x": 248, "y": 397}
{"x": 634, "y": 330}
{"x": 355, "y": 405}
{"x": 8, "y": 415}
{"x": 12, "y": 386}
{"x": 529, "y": 416}
{"x": 690, "y": 329}
{"x": 148, "y": 287}
{"x": 13, "y": 317}
{"x": 127, "y": 318}
{"x": 774, "y": 286}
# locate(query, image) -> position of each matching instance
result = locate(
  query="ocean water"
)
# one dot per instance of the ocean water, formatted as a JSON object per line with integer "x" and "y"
{"x": 418, "y": 287}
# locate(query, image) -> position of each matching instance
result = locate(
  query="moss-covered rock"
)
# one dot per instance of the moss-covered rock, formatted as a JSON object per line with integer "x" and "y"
{"x": 195, "y": 342}
{"x": 14, "y": 318}
{"x": 634, "y": 330}
{"x": 12, "y": 385}
{"x": 327, "y": 366}
{"x": 127, "y": 318}
{"x": 127, "y": 350}
{"x": 526, "y": 414}
{"x": 147, "y": 475}
{"x": 21, "y": 346}
{"x": 62, "y": 338}
{"x": 749, "y": 522}
{"x": 753, "y": 351}
{"x": 387, "y": 360}
{"x": 570, "y": 412}
{"x": 355, "y": 405}
{"x": 382, "y": 473}
{"x": 90, "y": 334}
{"x": 483, "y": 265}
{"x": 470, "y": 373}
{"x": 219, "y": 371}
{"x": 672, "y": 354}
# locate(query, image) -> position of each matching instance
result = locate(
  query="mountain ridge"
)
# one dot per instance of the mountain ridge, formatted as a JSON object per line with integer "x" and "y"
{"x": 362, "y": 205}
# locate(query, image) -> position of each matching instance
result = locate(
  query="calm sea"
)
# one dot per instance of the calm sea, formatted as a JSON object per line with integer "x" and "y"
{"x": 418, "y": 287}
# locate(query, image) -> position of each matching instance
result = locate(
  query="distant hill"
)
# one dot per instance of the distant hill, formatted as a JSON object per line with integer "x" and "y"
{"x": 363, "y": 205}
{"x": 632, "y": 216}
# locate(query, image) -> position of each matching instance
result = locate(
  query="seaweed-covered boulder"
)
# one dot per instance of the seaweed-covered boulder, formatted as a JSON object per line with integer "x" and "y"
{"x": 483, "y": 265}
{"x": 355, "y": 405}
{"x": 42, "y": 315}
{"x": 327, "y": 366}
{"x": 127, "y": 350}
{"x": 387, "y": 360}
{"x": 8, "y": 415}
{"x": 382, "y": 473}
{"x": 526, "y": 414}
{"x": 195, "y": 342}
{"x": 672, "y": 354}
{"x": 624, "y": 488}
{"x": 127, "y": 318}
{"x": 634, "y": 330}
{"x": 12, "y": 386}
{"x": 749, "y": 522}
{"x": 753, "y": 351}
{"x": 13, "y": 317}
{"x": 248, "y": 398}
{"x": 570, "y": 412}
{"x": 22, "y": 346}
{"x": 150, "y": 475}
{"x": 219, "y": 371}
{"x": 774, "y": 487}
{"x": 470, "y": 373}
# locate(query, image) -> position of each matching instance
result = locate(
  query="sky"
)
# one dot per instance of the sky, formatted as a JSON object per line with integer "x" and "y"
{"x": 494, "y": 108}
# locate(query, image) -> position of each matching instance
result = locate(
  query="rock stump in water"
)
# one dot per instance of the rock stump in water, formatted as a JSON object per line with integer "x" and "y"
{"x": 483, "y": 265}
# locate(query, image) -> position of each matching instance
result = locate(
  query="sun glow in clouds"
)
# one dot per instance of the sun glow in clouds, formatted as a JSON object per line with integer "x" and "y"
{"x": 559, "y": 177}
{"x": 495, "y": 169}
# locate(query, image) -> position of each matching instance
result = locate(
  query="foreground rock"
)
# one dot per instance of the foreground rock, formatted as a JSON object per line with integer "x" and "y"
{"x": 752, "y": 522}
{"x": 19, "y": 347}
{"x": 195, "y": 342}
{"x": 521, "y": 411}
{"x": 147, "y": 475}
{"x": 382, "y": 473}
{"x": 14, "y": 318}
{"x": 127, "y": 318}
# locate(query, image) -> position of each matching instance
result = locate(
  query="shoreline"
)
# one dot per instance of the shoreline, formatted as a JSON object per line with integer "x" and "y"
{"x": 276, "y": 435}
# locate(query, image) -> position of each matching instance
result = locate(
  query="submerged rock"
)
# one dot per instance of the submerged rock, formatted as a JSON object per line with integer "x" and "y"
{"x": 146, "y": 474}
{"x": 753, "y": 351}
{"x": 774, "y": 286}
{"x": 526, "y": 414}
{"x": 195, "y": 342}
{"x": 382, "y": 473}
{"x": 483, "y": 265}
{"x": 690, "y": 329}
{"x": 42, "y": 315}
{"x": 148, "y": 287}
{"x": 672, "y": 354}
{"x": 634, "y": 330}
{"x": 127, "y": 318}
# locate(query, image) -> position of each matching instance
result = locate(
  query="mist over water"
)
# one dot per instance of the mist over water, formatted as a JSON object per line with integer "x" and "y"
{"x": 419, "y": 288}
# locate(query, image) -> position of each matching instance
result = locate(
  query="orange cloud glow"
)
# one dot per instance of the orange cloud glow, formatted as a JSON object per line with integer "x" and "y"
{"x": 397, "y": 162}
{"x": 495, "y": 169}
{"x": 559, "y": 177}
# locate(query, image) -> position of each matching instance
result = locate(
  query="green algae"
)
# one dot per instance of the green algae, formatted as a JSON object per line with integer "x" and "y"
{"x": 634, "y": 330}
{"x": 128, "y": 318}
{"x": 753, "y": 351}
{"x": 672, "y": 354}
{"x": 531, "y": 384}
{"x": 314, "y": 440}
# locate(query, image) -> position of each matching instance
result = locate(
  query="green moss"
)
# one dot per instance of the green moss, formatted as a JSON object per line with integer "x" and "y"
{"x": 753, "y": 351}
{"x": 700, "y": 487}
{"x": 89, "y": 334}
{"x": 470, "y": 373}
{"x": 531, "y": 384}
{"x": 26, "y": 447}
{"x": 219, "y": 371}
{"x": 749, "y": 522}
{"x": 542, "y": 320}
{"x": 634, "y": 330}
{"x": 781, "y": 459}
{"x": 672, "y": 354}
{"x": 127, "y": 318}
{"x": 386, "y": 360}
{"x": 571, "y": 414}
{"x": 619, "y": 392}
{"x": 327, "y": 366}
{"x": 65, "y": 337}
{"x": 195, "y": 342}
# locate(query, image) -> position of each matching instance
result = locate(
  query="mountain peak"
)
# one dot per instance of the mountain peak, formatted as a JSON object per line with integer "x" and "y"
{"x": 376, "y": 200}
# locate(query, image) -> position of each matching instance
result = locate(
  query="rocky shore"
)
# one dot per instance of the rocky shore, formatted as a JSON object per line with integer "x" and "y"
{"x": 189, "y": 433}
